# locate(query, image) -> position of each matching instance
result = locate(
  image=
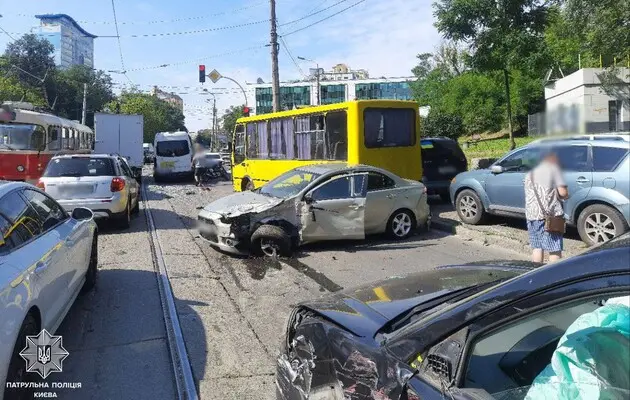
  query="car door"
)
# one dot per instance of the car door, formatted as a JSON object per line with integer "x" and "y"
{"x": 505, "y": 189}
{"x": 575, "y": 161}
{"x": 335, "y": 209}
{"x": 76, "y": 243}
{"x": 379, "y": 201}
{"x": 40, "y": 256}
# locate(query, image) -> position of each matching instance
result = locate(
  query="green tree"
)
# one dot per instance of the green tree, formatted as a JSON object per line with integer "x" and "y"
{"x": 12, "y": 90}
{"x": 439, "y": 123}
{"x": 159, "y": 116}
{"x": 69, "y": 89}
{"x": 29, "y": 59}
{"x": 228, "y": 120}
{"x": 502, "y": 35}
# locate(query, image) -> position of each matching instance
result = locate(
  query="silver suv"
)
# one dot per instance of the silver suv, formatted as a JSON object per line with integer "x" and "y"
{"x": 103, "y": 183}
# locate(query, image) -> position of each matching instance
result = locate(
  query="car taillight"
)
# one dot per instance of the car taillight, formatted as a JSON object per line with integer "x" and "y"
{"x": 117, "y": 185}
{"x": 41, "y": 185}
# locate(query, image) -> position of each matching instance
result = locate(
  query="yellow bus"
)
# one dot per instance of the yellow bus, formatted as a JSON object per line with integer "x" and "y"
{"x": 382, "y": 133}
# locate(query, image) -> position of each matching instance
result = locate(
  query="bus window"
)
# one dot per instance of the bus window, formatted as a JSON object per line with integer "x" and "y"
{"x": 54, "y": 136}
{"x": 239, "y": 144}
{"x": 389, "y": 127}
{"x": 319, "y": 150}
{"x": 303, "y": 138}
{"x": 310, "y": 138}
{"x": 38, "y": 139}
{"x": 278, "y": 143}
{"x": 252, "y": 142}
{"x": 263, "y": 140}
{"x": 288, "y": 132}
{"x": 337, "y": 135}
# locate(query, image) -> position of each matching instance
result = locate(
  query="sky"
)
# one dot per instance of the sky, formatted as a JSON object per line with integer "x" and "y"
{"x": 382, "y": 36}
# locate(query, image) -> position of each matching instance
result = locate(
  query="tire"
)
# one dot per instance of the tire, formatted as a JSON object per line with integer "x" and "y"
{"x": 92, "y": 271}
{"x": 469, "y": 207}
{"x": 446, "y": 197}
{"x": 249, "y": 185}
{"x": 270, "y": 241}
{"x": 599, "y": 223}
{"x": 401, "y": 224}
{"x": 136, "y": 208}
{"x": 124, "y": 220}
{"x": 17, "y": 365}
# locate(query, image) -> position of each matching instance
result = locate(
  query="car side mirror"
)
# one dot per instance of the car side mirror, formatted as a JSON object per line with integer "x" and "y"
{"x": 82, "y": 214}
{"x": 497, "y": 169}
{"x": 308, "y": 198}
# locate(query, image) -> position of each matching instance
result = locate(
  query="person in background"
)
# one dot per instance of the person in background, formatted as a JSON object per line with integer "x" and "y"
{"x": 545, "y": 189}
{"x": 199, "y": 162}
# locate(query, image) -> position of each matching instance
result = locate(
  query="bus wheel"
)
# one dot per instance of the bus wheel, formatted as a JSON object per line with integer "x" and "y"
{"x": 248, "y": 185}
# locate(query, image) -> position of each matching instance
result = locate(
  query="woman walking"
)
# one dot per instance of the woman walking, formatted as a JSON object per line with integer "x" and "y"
{"x": 544, "y": 189}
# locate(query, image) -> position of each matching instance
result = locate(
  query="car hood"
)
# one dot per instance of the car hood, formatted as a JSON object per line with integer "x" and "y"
{"x": 475, "y": 173}
{"x": 364, "y": 310}
{"x": 242, "y": 203}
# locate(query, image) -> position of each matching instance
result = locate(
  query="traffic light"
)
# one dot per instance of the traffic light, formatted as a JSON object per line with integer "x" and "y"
{"x": 246, "y": 111}
{"x": 202, "y": 73}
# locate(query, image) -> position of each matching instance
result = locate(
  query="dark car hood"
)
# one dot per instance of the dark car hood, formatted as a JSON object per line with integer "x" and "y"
{"x": 364, "y": 310}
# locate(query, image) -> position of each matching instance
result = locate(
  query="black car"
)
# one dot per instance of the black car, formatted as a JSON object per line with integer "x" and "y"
{"x": 476, "y": 331}
{"x": 442, "y": 160}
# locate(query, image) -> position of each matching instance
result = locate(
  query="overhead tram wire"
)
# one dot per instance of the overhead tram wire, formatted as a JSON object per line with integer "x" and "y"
{"x": 325, "y": 18}
{"x": 122, "y": 60}
{"x": 310, "y": 14}
{"x": 286, "y": 49}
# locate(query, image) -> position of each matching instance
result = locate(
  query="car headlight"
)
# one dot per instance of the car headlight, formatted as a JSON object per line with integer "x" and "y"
{"x": 453, "y": 180}
{"x": 20, "y": 168}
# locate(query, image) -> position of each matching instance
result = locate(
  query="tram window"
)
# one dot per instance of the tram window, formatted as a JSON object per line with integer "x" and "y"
{"x": 38, "y": 139}
{"x": 66, "y": 138}
{"x": 54, "y": 134}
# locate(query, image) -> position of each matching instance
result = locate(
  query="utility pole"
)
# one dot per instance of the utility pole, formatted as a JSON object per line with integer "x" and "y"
{"x": 275, "y": 79}
{"x": 84, "y": 116}
{"x": 214, "y": 122}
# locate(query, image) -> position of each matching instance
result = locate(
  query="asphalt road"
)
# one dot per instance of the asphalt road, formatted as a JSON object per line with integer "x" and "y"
{"x": 233, "y": 311}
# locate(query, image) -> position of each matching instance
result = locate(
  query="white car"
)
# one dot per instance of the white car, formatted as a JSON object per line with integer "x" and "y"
{"x": 314, "y": 203}
{"x": 173, "y": 156}
{"x": 101, "y": 182}
{"x": 47, "y": 257}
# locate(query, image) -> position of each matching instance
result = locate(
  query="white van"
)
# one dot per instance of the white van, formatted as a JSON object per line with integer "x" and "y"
{"x": 173, "y": 155}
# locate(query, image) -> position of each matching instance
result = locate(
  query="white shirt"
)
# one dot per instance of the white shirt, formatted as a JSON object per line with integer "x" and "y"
{"x": 547, "y": 177}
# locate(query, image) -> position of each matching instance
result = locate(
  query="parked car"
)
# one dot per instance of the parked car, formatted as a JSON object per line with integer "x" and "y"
{"x": 101, "y": 182}
{"x": 468, "y": 332}
{"x": 46, "y": 258}
{"x": 442, "y": 160}
{"x": 596, "y": 171}
{"x": 314, "y": 203}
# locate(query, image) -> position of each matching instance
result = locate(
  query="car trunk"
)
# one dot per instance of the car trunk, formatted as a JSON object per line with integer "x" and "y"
{"x": 82, "y": 187}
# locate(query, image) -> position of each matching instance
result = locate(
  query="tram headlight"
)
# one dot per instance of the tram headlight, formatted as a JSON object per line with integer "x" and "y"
{"x": 20, "y": 168}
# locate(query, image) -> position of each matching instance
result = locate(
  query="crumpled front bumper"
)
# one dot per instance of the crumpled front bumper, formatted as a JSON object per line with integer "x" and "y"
{"x": 220, "y": 234}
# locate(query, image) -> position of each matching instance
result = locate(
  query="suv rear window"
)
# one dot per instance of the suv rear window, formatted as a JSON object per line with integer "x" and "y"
{"x": 172, "y": 148}
{"x": 80, "y": 166}
{"x": 440, "y": 149}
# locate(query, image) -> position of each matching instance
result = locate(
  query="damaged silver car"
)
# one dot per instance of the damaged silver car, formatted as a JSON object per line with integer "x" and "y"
{"x": 315, "y": 203}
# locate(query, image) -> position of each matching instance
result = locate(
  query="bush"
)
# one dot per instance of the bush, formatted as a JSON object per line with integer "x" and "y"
{"x": 443, "y": 124}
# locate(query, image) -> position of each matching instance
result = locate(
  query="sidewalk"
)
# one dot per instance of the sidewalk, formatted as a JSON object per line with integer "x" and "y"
{"x": 507, "y": 233}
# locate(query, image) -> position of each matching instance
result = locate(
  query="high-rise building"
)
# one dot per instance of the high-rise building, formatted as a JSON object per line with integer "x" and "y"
{"x": 73, "y": 44}
{"x": 170, "y": 98}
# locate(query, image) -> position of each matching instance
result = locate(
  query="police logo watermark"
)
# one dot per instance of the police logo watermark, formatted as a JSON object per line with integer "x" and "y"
{"x": 44, "y": 354}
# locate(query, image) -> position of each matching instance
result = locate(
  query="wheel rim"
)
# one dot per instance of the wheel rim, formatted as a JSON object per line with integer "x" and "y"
{"x": 599, "y": 227}
{"x": 269, "y": 247}
{"x": 401, "y": 224}
{"x": 468, "y": 207}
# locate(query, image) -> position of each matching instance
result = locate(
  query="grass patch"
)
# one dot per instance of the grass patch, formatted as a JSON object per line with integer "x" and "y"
{"x": 492, "y": 148}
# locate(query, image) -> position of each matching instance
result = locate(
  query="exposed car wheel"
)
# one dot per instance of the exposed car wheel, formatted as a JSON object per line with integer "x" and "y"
{"x": 446, "y": 197}
{"x": 401, "y": 224}
{"x": 469, "y": 207}
{"x": 271, "y": 241}
{"x": 17, "y": 365}
{"x": 599, "y": 223}
{"x": 92, "y": 271}
{"x": 124, "y": 221}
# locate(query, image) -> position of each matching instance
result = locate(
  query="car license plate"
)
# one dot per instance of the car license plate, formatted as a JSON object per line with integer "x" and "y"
{"x": 167, "y": 164}
{"x": 447, "y": 170}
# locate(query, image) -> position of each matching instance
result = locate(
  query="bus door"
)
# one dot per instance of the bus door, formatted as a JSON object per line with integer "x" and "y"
{"x": 239, "y": 158}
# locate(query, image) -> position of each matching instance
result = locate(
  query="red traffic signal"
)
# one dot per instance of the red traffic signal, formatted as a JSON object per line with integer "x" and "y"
{"x": 202, "y": 73}
{"x": 246, "y": 111}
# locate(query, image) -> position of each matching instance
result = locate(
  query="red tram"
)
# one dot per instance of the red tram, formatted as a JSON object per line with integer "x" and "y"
{"x": 29, "y": 139}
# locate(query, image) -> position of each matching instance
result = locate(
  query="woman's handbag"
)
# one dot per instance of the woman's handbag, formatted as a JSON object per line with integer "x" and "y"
{"x": 553, "y": 224}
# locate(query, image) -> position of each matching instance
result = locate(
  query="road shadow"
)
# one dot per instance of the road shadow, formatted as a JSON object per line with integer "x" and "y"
{"x": 118, "y": 343}
{"x": 370, "y": 243}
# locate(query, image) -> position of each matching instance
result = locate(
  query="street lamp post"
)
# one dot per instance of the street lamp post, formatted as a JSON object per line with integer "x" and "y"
{"x": 317, "y": 76}
{"x": 213, "y": 137}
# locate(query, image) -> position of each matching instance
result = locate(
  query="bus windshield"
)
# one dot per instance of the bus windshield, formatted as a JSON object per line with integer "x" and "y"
{"x": 21, "y": 136}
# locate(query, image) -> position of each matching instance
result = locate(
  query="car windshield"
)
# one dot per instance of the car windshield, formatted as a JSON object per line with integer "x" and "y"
{"x": 80, "y": 166}
{"x": 288, "y": 184}
{"x": 172, "y": 148}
